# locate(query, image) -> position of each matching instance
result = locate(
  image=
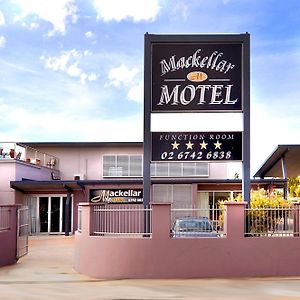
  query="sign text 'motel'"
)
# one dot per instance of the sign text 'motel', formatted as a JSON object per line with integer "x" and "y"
{"x": 196, "y": 146}
{"x": 196, "y": 77}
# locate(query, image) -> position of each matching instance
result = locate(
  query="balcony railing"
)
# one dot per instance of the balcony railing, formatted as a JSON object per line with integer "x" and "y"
{"x": 27, "y": 154}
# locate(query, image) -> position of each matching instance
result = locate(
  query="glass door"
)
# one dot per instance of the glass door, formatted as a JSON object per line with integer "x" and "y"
{"x": 44, "y": 213}
{"x": 55, "y": 214}
{"x": 52, "y": 214}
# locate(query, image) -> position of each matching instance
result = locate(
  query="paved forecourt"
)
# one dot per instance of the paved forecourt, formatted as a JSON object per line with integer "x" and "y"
{"x": 47, "y": 273}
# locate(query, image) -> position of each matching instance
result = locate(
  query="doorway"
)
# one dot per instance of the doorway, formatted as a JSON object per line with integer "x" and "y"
{"x": 48, "y": 214}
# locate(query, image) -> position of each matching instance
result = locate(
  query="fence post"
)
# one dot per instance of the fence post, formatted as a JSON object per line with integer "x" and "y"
{"x": 296, "y": 219}
{"x": 85, "y": 218}
{"x": 234, "y": 223}
{"x": 161, "y": 220}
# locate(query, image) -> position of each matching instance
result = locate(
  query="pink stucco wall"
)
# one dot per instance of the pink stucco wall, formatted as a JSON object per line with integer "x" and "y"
{"x": 218, "y": 170}
{"x": 14, "y": 170}
{"x": 164, "y": 257}
{"x": 85, "y": 160}
{"x": 7, "y": 173}
{"x": 8, "y": 240}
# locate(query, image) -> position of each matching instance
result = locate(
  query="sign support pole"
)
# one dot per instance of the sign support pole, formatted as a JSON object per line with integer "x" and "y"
{"x": 246, "y": 119}
{"x": 147, "y": 132}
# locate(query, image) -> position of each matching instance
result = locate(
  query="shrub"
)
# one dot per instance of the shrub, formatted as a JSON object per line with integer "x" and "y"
{"x": 268, "y": 210}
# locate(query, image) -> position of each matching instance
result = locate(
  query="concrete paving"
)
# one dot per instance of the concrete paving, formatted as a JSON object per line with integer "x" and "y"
{"x": 47, "y": 273}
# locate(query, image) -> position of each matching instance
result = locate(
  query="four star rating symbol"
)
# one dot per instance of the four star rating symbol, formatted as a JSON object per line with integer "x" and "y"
{"x": 203, "y": 145}
{"x": 175, "y": 145}
{"x": 190, "y": 145}
{"x": 217, "y": 145}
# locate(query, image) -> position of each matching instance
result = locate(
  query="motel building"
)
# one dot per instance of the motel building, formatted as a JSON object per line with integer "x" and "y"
{"x": 51, "y": 179}
{"x": 135, "y": 208}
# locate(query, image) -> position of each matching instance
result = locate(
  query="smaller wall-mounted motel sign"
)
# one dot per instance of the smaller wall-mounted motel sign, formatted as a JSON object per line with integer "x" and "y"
{"x": 117, "y": 196}
{"x": 196, "y": 146}
{"x": 196, "y": 77}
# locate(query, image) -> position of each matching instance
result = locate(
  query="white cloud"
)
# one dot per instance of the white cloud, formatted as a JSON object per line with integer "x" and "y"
{"x": 73, "y": 70}
{"x": 92, "y": 77}
{"x": 127, "y": 78}
{"x": 122, "y": 75}
{"x": 137, "y": 10}
{"x": 68, "y": 62}
{"x": 180, "y": 10}
{"x": 55, "y": 12}
{"x": 136, "y": 93}
{"x": 2, "y": 18}
{"x": 30, "y": 26}
{"x": 89, "y": 35}
{"x": 2, "y": 41}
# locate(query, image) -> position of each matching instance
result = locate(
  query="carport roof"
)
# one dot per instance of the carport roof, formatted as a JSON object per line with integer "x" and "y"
{"x": 33, "y": 185}
{"x": 272, "y": 167}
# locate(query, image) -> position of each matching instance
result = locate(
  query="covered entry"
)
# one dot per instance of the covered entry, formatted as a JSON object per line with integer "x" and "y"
{"x": 51, "y": 204}
{"x": 48, "y": 213}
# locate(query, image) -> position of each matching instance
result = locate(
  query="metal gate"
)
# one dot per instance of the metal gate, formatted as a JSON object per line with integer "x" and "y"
{"x": 22, "y": 231}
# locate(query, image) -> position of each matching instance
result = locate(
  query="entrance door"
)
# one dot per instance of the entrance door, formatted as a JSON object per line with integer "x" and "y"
{"x": 52, "y": 214}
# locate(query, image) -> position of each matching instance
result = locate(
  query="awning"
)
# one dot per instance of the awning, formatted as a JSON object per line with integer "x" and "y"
{"x": 45, "y": 186}
{"x": 26, "y": 186}
{"x": 284, "y": 161}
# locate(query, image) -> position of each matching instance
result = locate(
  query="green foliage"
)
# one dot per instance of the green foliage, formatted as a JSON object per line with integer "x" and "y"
{"x": 263, "y": 199}
{"x": 294, "y": 186}
{"x": 267, "y": 211}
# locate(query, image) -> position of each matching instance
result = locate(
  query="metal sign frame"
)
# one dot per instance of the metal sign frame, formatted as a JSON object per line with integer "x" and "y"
{"x": 150, "y": 40}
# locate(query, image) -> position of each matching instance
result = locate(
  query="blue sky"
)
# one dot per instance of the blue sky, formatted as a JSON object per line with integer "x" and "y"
{"x": 72, "y": 70}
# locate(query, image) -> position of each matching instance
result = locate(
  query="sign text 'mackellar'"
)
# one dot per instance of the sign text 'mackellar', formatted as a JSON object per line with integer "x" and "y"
{"x": 196, "y": 77}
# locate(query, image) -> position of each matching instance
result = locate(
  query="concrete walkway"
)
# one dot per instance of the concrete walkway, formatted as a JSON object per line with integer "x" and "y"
{"x": 47, "y": 273}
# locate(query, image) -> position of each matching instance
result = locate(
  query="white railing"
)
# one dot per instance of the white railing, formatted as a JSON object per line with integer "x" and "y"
{"x": 22, "y": 231}
{"x": 5, "y": 213}
{"x": 211, "y": 216}
{"x": 121, "y": 220}
{"x": 272, "y": 222}
{"x": 27, "y": 154}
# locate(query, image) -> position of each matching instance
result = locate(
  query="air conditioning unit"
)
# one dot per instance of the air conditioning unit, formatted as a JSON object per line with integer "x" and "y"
{"x": 79, "y": 176}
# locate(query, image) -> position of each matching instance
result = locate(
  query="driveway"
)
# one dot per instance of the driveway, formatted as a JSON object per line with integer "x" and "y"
{"x": 47, "y": 273}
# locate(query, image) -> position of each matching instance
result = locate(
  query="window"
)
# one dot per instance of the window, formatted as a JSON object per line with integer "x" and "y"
{"x": 180, "y": 195}
{"x": 132, "y": 166}
{"x": 122, "y": 166}
{"x": 179, "y": 169}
